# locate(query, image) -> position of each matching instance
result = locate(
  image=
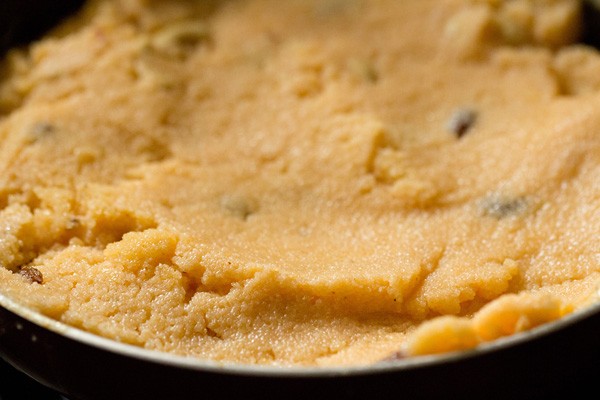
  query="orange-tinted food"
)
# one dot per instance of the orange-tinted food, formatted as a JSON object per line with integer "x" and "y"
{"x": 303, "y": 182}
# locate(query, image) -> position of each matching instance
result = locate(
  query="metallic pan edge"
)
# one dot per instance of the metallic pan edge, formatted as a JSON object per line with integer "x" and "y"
{"x": 530, "y": 365}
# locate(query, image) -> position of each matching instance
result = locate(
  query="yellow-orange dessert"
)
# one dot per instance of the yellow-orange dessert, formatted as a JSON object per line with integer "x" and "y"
{"x": 303, "y": 182}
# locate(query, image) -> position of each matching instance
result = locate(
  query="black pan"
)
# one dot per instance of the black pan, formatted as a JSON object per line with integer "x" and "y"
{"x": 561, "y": 359}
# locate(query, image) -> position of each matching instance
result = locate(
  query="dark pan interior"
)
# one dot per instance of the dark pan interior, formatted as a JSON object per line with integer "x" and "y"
{"x": 22, "y": 21}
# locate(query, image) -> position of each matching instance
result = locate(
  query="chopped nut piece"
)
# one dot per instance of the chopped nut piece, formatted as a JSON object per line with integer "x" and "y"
{"x": 501, "y": 207}
{"x": 364, "y": 69}
{"x": 462, "y": 121}
{"x": 238, "y": 206}
{"x": 179, "y": 39}
{"x": 211, "y": 333}
{"x": 73, "y": 223}
{"x": 39, "y": 131}
{"x": 32, "y": 274}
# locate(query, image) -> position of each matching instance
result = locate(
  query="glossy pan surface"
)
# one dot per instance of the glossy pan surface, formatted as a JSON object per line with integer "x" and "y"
{"x": 561, "y": 358}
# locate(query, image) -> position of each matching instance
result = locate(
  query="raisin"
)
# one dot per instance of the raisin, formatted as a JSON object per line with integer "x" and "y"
{"x": 32, "y": 274}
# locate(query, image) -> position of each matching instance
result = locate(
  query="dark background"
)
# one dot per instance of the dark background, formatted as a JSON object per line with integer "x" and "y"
{"x": 17, "y": 386}
{"x": 20, "y": 22}
{"x": 24, "y": 20}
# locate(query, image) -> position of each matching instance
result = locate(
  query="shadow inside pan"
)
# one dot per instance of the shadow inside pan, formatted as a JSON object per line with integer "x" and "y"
{"x": 14, "y": 385}
{"x": 22, "y": 21}
{"x": 591, "y": 24}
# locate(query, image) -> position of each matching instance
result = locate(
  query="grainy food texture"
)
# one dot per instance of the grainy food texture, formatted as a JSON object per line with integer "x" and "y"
{"x": 303, "y": 182}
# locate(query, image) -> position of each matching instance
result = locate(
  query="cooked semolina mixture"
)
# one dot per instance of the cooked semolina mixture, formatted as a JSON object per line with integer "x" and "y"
{"x": 303, "y": 182}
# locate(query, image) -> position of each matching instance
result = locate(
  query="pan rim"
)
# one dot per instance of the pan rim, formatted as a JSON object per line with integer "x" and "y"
{"x": 271, "y": 371}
